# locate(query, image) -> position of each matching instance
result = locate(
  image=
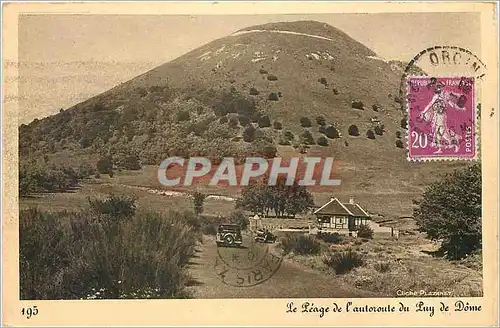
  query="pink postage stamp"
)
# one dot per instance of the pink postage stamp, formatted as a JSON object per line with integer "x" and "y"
{"x": 441, "y": 118}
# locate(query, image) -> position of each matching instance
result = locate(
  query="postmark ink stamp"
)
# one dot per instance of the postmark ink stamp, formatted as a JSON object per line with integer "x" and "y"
{"x": 441, "y": 118}
{"x": 248, "y": 265}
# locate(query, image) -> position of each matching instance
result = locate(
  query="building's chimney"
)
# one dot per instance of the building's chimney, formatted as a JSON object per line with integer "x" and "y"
{"x": 351, "y": 200}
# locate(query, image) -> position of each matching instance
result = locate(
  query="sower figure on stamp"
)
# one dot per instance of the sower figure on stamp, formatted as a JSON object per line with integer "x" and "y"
{"x": 435, "y": 113}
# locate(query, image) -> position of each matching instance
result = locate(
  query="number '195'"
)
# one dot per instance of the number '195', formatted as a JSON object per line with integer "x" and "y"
{"x": 29, "y": 311}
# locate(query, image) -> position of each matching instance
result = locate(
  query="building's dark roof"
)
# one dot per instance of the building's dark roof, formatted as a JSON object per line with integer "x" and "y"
{"x": 356, "y": 210}
{"x": 335, "y": 207}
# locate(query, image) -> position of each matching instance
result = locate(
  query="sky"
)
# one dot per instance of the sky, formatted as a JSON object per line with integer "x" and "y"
{"x": 125, "y": 46}
{"x": 158, "y": 38}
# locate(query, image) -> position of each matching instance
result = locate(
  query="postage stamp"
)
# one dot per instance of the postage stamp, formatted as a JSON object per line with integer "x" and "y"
{"x": 441, "y": 118}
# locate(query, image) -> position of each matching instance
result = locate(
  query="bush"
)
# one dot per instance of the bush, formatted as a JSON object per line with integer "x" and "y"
{"x": 254, "y": 92}
{"x": 262, "y": 71}
{"x": 365, "y": 231}
{"x": 305, "y": 122}
{"x": 300, "y": 244}
{"x": 307, "y": 138}
{"x": 323, "y": 81}
{"x": 105, "y": 165}
{"x": 183, "y": 115}
{"x": 288, "y": 135}
{"x": 77, "y": 255}
{"x": 335, "y": 91}
{"x": 210, "y": 229}
{"x": 382, "y": 267}
{"x": 238, "y": 217}
{"x": 399, "y": 144}
{"x": 333, "y": 238}
{"x": 271, "y": 77}
{"x": 198, "y": 201}
{"x": 115, "y": 206}
{"x": 223, "y": 120}
{"x": 370, "y": 134}
{"x": 353, "y": 130}
{"x": 376, "y": 107}
{"x": 320, "y": 120}
{"x": 277, "y": 125}
{"x": 264, "y": 121}
{"x": 249, "y": 134}
{"x": 273, "y": 96}
{"x": 379, "y": 129}
{"x": 403, "y": 123}
{"x": 398, "y": 134}
{"x": 233, "y": 121}
{"x": 343, "y": 262}
{"x": 331, "y": 132}
{"x": 357, "y": 104}
{"x": 322, "y": 141}
{"x": 244, "y": 120}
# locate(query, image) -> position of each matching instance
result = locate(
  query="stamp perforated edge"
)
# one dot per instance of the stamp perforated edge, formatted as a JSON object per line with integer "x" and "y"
{"x": 475, "y": 115}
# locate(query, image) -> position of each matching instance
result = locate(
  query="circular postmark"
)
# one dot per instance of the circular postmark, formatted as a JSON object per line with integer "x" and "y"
{"x": 249, "y": 265}
{"x": 438, "y": 93}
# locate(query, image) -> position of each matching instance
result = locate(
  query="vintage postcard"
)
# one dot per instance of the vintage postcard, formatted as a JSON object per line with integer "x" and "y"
{"x": 250, "y": 164}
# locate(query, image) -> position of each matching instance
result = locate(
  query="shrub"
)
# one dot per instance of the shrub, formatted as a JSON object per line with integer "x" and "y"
{"x": 210, "y": 229}
{"x": 264, "y": 121}
{"x": 300, "y": 244}
{"x": 223, "y": 120}
{"x": 398, "y": 134}
{"x": 343, "y": 262}
{"x": 249, "y": 134}
{"x": 238, "y": 217}
{"x": 365, "y": 231}
{"x": 183, "y": 115}
{"x": 277, "y": 125}
{"x": 379, "y": 129}
{"x": 273, "y": 96}
{"x": 262, "y": 71}
{"x": 305, "y": 122}
{"x": 76, "y": 255}
{"x": 254, "y": 92}
{"x": 198, "y": 201}
{"x": 382, "y": 267}
{"x": 404, "y": 123}
{"x": 233, "y": 121}
{"x": 105, "y": 165}
{"x": 115, "y": 206}
{"x": 288, "y": 135}
{"x": 307, "y": 138}
{"x": 370, "y": 134}
{"x": 271, "y": 77}
{"x": 322, "y": 141}
{"x": 323, "y": 81}
{"x": 331, "y": 132}
{"x": 398, "y": 100}
{"x": 357, "y": 104}
{"x": 335, "y": 91}
{"x": 333, "y": 238}
{"x": 320, "y": 120}
{"x": 399, "y": 144}
{"x": 353, "y": 130}
{"x": 244, "y": 120}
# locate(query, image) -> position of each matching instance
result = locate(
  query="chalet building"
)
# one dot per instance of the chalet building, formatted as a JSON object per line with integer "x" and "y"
{"x": 343, "y": 218}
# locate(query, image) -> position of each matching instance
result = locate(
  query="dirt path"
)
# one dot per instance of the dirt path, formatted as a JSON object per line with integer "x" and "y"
{"x": 289, "y": 281}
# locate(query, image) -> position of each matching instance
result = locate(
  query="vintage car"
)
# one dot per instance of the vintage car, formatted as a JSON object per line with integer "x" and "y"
{"x": 229, "y": 235}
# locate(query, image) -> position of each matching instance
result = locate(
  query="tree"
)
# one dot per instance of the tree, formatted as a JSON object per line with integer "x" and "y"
{"x": 331, "y": 132}
{"x": 379, "y": 129}
{"x": 105, "y": 166}
{"x": 305, "y": 122}
{"x": 353, "y": 130}
{"x": 307, "y": 137}
{"x": 320, "y": 120}
{"x": 370, "y": 134}
{"x": 322, "y": 141}
{"x": 450, "y": 210}
{"x": 198, "y": 201}
{"x": 399, "y": 144}
{"x": 277, "y": 125}
{"x": 249, "y": 134}
{"x": 264, "y": 121}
